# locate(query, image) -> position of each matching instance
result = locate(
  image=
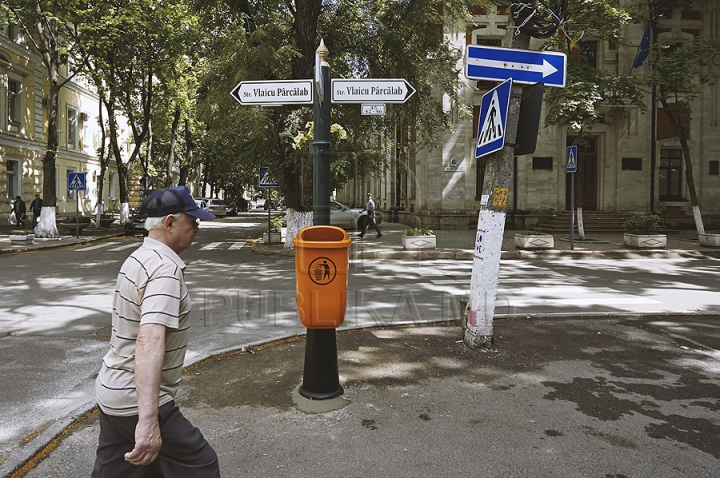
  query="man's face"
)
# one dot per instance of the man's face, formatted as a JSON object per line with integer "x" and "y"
{"x": 181, "y": 231}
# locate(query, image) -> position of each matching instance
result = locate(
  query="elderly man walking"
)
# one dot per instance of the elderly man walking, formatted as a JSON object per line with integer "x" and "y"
{"x": 142, "y": 432}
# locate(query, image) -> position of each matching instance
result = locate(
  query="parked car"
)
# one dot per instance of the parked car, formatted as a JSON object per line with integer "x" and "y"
{"x": 215, "y": 206}
{"x": 230, "y": 208}
{"x": 260, "y": 203}
{"x": 251, "y": 204}
{"x": 347, "y": 217}
{"x": 136, "y": 222}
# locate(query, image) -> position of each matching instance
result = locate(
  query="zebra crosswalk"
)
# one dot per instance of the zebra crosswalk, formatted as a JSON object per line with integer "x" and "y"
{"x": 115, "y": 247}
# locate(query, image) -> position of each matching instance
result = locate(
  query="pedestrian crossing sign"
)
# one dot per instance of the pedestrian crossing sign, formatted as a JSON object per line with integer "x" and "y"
{"x": 571, "y": 159}
{"x": 493, "y": 118}
{"x": 76, "y": 181}
{"x": 267, "y": 181}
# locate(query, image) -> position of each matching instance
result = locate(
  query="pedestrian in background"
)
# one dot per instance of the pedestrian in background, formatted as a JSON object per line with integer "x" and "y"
{"x": 36, "y": 208}
{"x": 370, "y": 218}
{"x": 19, "y": 210}
{"x": 142, "y": 432}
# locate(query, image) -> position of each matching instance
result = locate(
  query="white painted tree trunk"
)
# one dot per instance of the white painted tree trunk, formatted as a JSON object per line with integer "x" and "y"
{"x": 46, "y": 226}
{"x": 485, "y": 274}
{"x": 296, "y": 221}
{"x": 698, "y": 220}
{"x": 581, "y": 226}
{"x": 124, "y": 213}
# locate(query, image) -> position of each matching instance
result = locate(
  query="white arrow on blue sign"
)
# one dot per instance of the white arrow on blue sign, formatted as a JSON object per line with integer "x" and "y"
{"x": 493, "y": 117}
{"x": 76, "y": 182}
{"x": 523, "y": 66}
{"x": 571, "y": 159}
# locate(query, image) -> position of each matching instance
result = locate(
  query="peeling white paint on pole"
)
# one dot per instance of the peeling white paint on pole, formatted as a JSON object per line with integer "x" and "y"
{"x": 484, "y": 281}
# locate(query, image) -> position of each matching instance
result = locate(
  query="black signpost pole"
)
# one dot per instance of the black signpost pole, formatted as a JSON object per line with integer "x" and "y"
{"x": 320, "y": 375}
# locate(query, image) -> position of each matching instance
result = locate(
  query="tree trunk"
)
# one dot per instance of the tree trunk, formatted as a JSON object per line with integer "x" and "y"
{"x": 173, "y": 144}
{"x": 187, "y": 164}
{"x": 680, "y": 132}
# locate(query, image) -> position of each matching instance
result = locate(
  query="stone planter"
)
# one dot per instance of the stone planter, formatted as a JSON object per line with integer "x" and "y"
{"x": 709, "y": 240}
{"x": 275, "y": 238}
{"x": 645, "y": 241}
{"x": 534, "y": 241}
{"x": 419, "y": 243}
{"x": 107, "y": 222}
{"x": 21, "y": 239}
{"x": 69, "y": 227}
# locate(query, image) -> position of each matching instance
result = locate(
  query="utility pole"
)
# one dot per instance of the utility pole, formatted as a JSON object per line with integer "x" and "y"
{"x": 491, "y": 221}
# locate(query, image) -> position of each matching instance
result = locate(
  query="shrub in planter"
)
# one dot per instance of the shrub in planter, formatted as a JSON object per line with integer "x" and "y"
{"x": 642, "y": 232}
{"x": 418, "y": 231}
{"x": 639, "y": 224}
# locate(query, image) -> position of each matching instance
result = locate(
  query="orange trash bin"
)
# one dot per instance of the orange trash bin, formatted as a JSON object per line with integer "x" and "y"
{"x": 321, "y": 275}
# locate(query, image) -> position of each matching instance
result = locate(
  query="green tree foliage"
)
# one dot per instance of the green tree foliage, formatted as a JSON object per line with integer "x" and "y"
{"x": 366, "y": 38}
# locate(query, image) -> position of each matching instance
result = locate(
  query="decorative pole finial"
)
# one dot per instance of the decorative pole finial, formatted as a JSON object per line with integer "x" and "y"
{"x": 323, "y": 52}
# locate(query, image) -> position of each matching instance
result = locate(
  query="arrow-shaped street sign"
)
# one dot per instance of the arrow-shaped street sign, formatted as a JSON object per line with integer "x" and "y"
{"x": 371, "y": 90}
{"x": 274, "y": 93}
{"x": 523, "y": 66}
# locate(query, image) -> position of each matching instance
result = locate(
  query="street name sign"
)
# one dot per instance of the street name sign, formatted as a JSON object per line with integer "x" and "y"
{"x": 375, "y": 90}
{"x": 493, "y": 117}
{"x": 571, "y": 159}
{"x": 76, "y": 182}
{"x": 274, "y": 93}
{"x": 522, "y": 66}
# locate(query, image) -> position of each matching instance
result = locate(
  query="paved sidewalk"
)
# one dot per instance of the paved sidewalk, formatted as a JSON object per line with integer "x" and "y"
{"x": 558, "y": 397}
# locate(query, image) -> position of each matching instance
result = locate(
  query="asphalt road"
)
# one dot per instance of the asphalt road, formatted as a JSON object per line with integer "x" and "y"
{"x": 55, "y": 319}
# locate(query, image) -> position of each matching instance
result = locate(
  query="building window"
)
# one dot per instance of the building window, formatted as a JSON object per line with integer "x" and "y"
{"x": 13, "y": 178}
{"x": 714, "y": 168}
{"x": 588, "y": 53}
{"x": 542, "y": 162}
{"x": 111, "y": 180}
{"x": 72, "y": 127}
{"x": 71, "y": 195}
{"x": 632, "y": 164}
{"x": 670, "y": 174}
{"x": 15, "y": 104}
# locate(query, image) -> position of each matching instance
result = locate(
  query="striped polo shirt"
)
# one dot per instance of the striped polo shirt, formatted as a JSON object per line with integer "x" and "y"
{"x": 150, "y": 289}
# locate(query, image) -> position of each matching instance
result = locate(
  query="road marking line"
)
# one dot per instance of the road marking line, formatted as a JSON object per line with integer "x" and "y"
{"x": 99, "y": 246}
{"x": 212, "y": 245}
{"x": 126, "y": 246}
{"x": 237, "y": 245}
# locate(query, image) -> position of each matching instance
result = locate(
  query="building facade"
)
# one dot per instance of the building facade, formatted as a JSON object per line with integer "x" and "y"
{"x": 626, "y": 167}
{"x": 23, "y": 133}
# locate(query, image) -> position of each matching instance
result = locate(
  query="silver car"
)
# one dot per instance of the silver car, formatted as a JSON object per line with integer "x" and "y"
{"x": 215, "y": 206}
{"x": 349, "y": 218}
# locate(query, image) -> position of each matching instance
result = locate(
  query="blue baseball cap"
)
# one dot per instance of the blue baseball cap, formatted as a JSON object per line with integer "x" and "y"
{"x": 166, "y": 201}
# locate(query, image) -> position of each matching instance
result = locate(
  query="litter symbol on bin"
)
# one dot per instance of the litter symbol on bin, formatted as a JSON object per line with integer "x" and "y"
{"x": 322, "y": 271}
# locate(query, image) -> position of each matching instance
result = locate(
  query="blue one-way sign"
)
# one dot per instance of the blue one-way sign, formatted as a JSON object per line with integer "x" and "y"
{"x": 493, "y": 117}
{"x": 523, "y": 66}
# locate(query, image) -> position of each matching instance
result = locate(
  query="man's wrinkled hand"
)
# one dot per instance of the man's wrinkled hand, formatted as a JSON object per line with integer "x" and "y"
{"x": 147, "y": 443}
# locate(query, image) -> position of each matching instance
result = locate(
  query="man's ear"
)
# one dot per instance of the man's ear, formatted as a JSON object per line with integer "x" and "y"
{"x": 168, "y": 221}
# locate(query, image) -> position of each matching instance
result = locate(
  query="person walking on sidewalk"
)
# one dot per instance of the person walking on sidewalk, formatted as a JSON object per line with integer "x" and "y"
{"x": 370, "y": 218}
{"x": 36, "y": 208}
{"x": 142, "y": 432}
{"x": 19, "y": 210}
